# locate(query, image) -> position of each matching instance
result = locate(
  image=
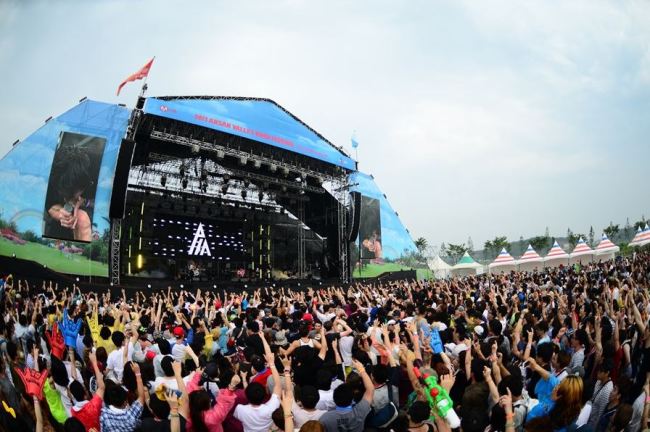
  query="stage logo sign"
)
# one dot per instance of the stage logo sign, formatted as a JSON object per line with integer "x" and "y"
{"x": 199, "y": 245}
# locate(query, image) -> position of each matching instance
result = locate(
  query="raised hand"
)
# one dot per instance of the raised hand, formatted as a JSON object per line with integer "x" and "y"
{"x": 33, "y": 381}
{"x": 55, "y": 339}
{"x": 70, "y": 329}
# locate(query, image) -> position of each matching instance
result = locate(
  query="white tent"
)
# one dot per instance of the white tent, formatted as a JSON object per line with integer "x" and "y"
{"x": 466, "y": 266}
{"x": 503, "y": 263}
{"x": 556, "y": 256}
{"x": 440, "y": 269}
{"x": 582, "y": 253}
{"x": 641, "y": 238}
{"x": 530, "y": 260}
{"x": 606, "y": 249}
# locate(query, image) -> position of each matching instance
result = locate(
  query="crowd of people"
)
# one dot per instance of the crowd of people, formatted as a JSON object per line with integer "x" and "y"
{"x": 562, "y": 349}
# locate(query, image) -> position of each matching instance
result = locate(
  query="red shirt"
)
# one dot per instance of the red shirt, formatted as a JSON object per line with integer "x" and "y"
{"x": 263, "y": 377}
{"x": 89, "y": 413}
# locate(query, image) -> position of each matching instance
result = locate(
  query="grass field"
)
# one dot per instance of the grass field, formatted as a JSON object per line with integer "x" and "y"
{"x": 56, "y": 260}
{"x": 374, "y": 270}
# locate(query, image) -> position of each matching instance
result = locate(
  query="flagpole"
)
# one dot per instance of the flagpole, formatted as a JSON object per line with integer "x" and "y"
{"x": 144, "y": 82}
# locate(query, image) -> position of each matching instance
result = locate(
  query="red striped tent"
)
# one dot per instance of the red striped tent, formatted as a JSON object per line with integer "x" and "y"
{"x": 582, "y": 253}
{"x": 556, "y": 256}
{"x": 530, "y": 260}
{"x": 606, "y": 249}
{"x": 503, "y": 263}
{"x": 642, "y": 237}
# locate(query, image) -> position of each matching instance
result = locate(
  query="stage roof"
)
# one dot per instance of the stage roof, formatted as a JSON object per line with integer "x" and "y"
{"x": 261, "y": 120}
{"x": 396, "y": 238}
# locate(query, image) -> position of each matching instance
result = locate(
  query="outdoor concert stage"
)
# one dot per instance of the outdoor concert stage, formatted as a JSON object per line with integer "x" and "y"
{"x": 193, "y": 191}
{"x": 214, "y": 199}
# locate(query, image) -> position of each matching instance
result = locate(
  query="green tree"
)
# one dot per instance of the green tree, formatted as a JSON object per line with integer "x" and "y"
{"x": 487, "y": 247}
{"x": 421, "y": 243}
{"x": 611, "y": 231}
{"x": 30, "y": 236}
{"x": 640, "y": 224}
{"x": 574, "y": 238}
{"x": 540, "y": 243}
{"x": 456, "y": 251}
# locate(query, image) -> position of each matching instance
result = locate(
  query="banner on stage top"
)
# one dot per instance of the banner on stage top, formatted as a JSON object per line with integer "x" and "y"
{"x": 259, "y": 120}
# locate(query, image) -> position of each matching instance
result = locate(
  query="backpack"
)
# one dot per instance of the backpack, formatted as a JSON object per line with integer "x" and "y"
{"x": 383, "y": 417}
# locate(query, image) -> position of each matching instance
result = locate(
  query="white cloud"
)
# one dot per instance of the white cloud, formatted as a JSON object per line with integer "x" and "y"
{"x": 477, "y": 118}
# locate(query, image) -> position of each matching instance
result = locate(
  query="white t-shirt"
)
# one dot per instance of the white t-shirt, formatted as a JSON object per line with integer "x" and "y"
{"x": 345, "y": 346}
{"x": 20, "y": 331}
{"x": 257, "y": 418}
{"x": 178, "y": 352}
{"x": 169, "y": 382}
{"x": 326, "y": 400}
{"x": 115, "y": 361}
{"x": 302, "y": 416}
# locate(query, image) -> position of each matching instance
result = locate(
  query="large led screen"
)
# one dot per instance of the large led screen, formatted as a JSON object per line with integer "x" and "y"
{"x": 383, "y": 245}
{"x": 370, "y": 229}
{"x": 33, "y": 175}
{"x": 71, "y": 189}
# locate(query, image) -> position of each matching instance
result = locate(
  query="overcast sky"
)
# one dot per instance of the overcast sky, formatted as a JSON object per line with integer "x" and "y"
{"x": 477, "y": 118}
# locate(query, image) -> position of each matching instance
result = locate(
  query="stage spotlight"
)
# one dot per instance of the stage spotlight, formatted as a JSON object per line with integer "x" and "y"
{"x": 214, "y": 286}
{"x": 243, "y": 160}
{"x": 182, "y": 286}
{"x": 273, "y": 168}
{"x": 257, "y": 164}
{"x": 184, "y": 183}
{"x": 220, "y": 154}
{"x": 195, "y": 148}
{"x": 163, "y": 181}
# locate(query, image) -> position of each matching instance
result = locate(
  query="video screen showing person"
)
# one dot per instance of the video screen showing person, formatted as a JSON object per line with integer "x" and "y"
{"x": 71, "y": 188}
{"x": 370, "y": 230}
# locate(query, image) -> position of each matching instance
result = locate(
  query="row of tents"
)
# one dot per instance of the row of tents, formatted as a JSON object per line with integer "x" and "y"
{"x": 531, "y": 260}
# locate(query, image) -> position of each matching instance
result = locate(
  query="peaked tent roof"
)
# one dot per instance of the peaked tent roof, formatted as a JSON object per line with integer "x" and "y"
{"x": 606, "y": 246}
{"x": 437, "y": 263}
{"x": 556, "y": 252}
{"x": 581, "y": 249}
{"x": 262, "y": 120}
{"x": 642, "y": 237}
{"x": 503, "y": 259}
{"x": 530, "y": 256}
{"x": 466, "y": 262}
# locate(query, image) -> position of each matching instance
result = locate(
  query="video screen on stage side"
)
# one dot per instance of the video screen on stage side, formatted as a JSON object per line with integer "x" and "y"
{"x": 370, "y": 229}
{"x": 71, "y": 188}
{"x": 197, "y": 239}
